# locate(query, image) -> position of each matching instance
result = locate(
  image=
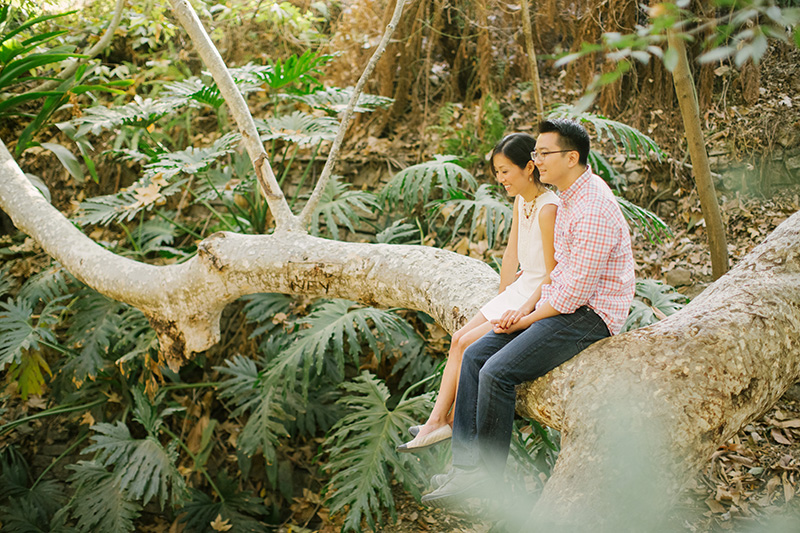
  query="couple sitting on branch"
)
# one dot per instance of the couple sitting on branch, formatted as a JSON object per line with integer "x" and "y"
{"x": 576, "y": 286}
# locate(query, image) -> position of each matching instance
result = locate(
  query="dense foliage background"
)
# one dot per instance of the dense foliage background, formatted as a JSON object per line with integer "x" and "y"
{"x": 293, "y": 417}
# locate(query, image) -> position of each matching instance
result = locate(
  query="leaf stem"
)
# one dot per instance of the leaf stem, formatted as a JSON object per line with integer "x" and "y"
{"x": 50, "y": 412}
{"x": 196, "y": 464}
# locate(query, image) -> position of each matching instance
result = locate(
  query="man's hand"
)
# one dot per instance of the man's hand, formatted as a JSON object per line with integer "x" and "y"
{"x": 519, "y": 325}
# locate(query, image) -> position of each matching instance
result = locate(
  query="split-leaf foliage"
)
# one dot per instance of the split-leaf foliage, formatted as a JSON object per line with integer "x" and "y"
{"x": 216, "y": 445}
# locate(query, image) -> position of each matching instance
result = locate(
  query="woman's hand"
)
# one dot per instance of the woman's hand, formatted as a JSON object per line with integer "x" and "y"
{"x": 510, "y": 317}
{"x": 516, "y": 326}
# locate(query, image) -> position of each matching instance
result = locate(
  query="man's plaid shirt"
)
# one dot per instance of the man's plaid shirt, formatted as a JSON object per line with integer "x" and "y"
{"x": 593, "y": 253}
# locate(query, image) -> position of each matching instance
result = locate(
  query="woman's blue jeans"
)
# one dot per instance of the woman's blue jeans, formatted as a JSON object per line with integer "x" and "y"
{"x": 492, "y": 368}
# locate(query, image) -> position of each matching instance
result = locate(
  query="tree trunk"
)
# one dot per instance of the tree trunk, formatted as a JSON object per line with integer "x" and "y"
{"x": 531, "y": 52}
{"x": 664, "y": 398}
{"x": 687, "y": 100}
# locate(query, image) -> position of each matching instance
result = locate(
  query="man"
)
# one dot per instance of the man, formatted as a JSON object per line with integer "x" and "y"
{"x": 586, "y": 298}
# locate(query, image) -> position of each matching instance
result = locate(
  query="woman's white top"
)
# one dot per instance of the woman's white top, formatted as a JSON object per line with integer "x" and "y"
{"x": 530, "y": 252}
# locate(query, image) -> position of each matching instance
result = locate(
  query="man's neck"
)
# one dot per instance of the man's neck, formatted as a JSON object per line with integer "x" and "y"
{"x": 576, "y": 173}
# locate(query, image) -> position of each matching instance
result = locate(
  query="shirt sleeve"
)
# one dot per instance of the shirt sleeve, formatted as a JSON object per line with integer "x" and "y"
{"x": 594, "y": 237}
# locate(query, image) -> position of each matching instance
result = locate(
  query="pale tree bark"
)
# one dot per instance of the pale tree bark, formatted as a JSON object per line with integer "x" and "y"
{"x": 679, "y": 388}
{"x": 690, "y": 112}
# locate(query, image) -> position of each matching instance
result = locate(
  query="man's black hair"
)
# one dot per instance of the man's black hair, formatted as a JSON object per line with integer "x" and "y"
{"x": 571, "y": 136}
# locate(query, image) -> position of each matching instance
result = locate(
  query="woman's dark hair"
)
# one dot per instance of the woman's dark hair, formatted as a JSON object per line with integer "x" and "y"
{"x": 517, "y": 147}
{"x": 571, "y": 136}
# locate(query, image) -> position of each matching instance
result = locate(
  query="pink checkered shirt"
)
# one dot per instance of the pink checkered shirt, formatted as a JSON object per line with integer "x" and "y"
{"x": 593, "y": 251}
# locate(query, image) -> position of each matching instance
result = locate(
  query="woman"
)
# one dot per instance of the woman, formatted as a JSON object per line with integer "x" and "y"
{"x": 530, "y": 247}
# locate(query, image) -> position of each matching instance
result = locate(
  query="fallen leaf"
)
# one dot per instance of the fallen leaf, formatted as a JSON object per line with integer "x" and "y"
{"x": 715, "y": 506}
{"x": 779, "y": 437}
{"x": 218, "y": 524}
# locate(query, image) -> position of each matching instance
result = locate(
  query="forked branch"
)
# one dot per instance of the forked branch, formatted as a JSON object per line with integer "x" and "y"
{"x": 186, "y": 15}
{"x": 313, "y": 201}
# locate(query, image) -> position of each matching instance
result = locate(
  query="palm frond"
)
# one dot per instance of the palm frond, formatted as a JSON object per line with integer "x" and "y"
{"x": 153, "y": 235}
{"x": 100, "y": 504}
{"x": 635, "y": 143}
{"x": 603, "y": 168}
{"x": 487, "y": 209}
{"x": 648, "y": 222}
{"x": 653, "y": 301}
{"x": 300, "y": 128}
{"x": 340, "y": 206}
{"x": 335, "y": 100}
{"x": 414, "y": 184}
{"x": 362, "y": 453}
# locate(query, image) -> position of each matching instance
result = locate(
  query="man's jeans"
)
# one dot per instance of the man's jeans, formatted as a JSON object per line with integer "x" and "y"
{"x": 490, "y": 371}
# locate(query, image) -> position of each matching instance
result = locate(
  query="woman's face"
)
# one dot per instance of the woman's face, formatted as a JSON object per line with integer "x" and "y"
{"x": 514, "y": 179}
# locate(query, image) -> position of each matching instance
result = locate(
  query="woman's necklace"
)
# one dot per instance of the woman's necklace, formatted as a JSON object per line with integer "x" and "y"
{"x": 527, "y": 207}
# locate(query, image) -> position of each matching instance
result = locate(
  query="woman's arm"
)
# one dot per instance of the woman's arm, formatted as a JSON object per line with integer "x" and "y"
{"x": 508, "y": 271}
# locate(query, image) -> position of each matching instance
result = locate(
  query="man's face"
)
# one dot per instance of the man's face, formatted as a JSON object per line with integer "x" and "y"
{"x": 554, "y": 163}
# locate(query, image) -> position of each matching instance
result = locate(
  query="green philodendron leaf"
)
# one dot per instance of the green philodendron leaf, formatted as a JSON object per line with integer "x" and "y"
{"x": 653, "y": 300}
{"x": 19, "y": 334}
{"x": 363, "y": 460}
{"x": 340, "y": 206}
{"x": 414, "y": 184}
{"x": 486, "y": 210}
{"x": 300, "y": 128}
{"x": 100, "y": 504}
{"x": 335, "y": 100}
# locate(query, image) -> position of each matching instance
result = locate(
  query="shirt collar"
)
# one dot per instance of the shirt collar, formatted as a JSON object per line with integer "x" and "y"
{"x": 573, "y": 190}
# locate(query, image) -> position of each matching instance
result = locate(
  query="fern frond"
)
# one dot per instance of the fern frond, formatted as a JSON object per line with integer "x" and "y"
{"x": 487, "y": 209}
{"x": 339, "y": 206}
{"x": 362, "y": 452}
{"x": 335, "y": 100}
{"x": 635, "y": 143}
{"x": 648, "y": 222}
{"x": 136, "y": 338}
{"x": 652, "y": 298}
{"x": 100, "y": 504}
{"x": 300, "y": 128}
{"x": 413, "y": 185}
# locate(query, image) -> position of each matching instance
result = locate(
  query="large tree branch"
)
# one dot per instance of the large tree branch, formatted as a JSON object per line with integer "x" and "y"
{"x": 319, "y": 189}
{"x": 184, "y": 302}
{"x": 284, "y": 218}
{"x": 693, "y": 379}
{"x": 99, "y": 46}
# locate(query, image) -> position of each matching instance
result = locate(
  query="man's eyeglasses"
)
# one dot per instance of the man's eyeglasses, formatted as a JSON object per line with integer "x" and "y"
{"x": 539, "y": 156}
